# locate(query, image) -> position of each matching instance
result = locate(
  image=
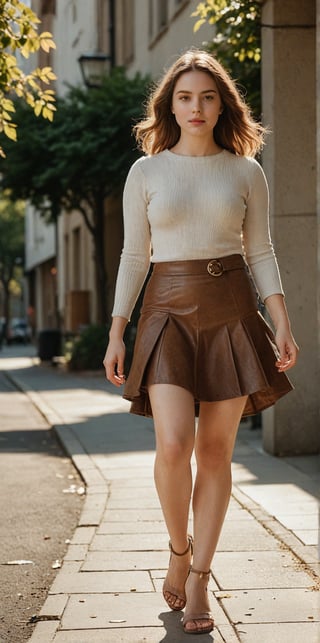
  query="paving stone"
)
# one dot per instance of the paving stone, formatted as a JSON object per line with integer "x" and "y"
{"x": 294, "y": 507}
{"x": 54, "y": 605}
{"x": 308, "y": 537}
{"x": 83, "y": 535}
{"x": 136, "y": 502}
{"x": 101, "y": 611}
{"x": 267, "y": 494}
{"x": 132, "y": 527}
{"x": 266, "y": 569}
{"x": 159, "y": 576}
{"x": 91, "y": 475}
{"x": 129, "y": 542}
{"x": 97, "y": 488}
{"x": 108, "y": 561}
{"x": 299, "y": 522}
{"x": 76, "y": 552}
{"x": 272, "y": 606}
{"x": 116, "y": 461}
{"x": 102, "y": 582}
{"x": 132, "y": 492}
{"x": 44, "y": 632}
{"x": 279, "y": 633}
{"x": 238, "y": 514}
{"x": 134, "y": 515}
{"x": 128, "y": 473}
{"x": 140, "y": 483}
{"x": 237, "y": 537}
{"x": 93, "y": 510}
{"x": 228, "y": 634}
{"x": 173, "y": 633}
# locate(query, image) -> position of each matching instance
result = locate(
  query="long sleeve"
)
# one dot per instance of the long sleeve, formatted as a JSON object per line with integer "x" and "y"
{"x": 135, "y": 256}
{"x": 257, "y": 242}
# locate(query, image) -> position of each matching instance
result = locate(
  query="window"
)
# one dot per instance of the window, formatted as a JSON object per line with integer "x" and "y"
{"x": 128, "y": 31}
{"x": 150, "y": 18}
{"x": 162, "y": 14}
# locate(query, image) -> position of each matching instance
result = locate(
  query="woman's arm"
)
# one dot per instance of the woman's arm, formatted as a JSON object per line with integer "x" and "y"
{"x": 115, "y": 353}
{"x": 287, "y": 347}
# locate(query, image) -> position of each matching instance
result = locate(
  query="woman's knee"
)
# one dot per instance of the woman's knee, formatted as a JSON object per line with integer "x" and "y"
{"x": 214, "y": 455}
{"x": 173, "y": 450}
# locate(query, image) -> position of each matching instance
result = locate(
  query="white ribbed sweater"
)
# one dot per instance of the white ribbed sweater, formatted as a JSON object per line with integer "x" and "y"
{"x": 186, "y": 207}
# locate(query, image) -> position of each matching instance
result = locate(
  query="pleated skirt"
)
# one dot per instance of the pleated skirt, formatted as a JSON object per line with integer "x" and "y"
{"x": 200, "y": 328}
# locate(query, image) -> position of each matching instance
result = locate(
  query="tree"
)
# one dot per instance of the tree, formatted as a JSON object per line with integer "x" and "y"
{"x": 237, "y": 41}
{"x": 18, "y": 33}
{"x": 79, "y": 160}
{"x": 11, "y": 247}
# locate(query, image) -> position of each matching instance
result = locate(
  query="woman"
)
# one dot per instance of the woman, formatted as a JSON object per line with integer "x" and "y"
{"x": 197, "y": 206}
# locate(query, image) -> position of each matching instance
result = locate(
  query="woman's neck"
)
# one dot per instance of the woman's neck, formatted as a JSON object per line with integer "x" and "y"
{"x": 196, "y": 147}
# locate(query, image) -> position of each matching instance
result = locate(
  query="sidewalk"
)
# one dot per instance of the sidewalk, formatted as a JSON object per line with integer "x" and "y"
{"x": 265, "y": 575}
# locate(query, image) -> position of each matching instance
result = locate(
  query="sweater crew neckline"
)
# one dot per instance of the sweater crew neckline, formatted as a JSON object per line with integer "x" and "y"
{"x": 193, "y": 158}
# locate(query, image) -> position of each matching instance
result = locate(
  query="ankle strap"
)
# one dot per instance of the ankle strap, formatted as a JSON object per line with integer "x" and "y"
{"x": 200, "y": 573}
{"x": 190, "y": 546}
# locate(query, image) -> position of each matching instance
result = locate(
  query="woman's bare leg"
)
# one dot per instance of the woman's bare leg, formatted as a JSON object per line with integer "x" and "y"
{"x": 217, "y": 430}
{"x": 173, "y": 413}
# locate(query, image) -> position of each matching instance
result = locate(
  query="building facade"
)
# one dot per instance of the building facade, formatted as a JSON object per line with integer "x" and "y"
{"x": 146, "y": 36}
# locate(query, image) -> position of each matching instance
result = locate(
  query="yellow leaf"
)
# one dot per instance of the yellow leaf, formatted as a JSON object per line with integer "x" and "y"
{"x": 8, "y": 105}
{"x": 10, "y": 131}
{"x": 46, "y": 45}
{"x": 45, "y": 34}
{"x": 46, "y": 113}
{"x": 51, "y": 107}
{"x": 198, "y": 24}
{"x": 50, "y": 116}
{"x": 6, "y": 116}
{"x": 37, "y": 109}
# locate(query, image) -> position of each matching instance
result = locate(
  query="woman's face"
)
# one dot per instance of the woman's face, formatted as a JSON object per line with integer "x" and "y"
{"x": 196, "y": 103}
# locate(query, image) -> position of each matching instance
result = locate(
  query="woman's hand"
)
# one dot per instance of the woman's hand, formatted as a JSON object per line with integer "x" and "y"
{"x": 287, "y": 347}
{"x": 115, "y": 353}
{"x": 114, "y": 362}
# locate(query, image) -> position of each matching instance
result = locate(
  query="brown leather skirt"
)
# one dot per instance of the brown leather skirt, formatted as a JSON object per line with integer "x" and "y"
{"x": 200, "y": 328}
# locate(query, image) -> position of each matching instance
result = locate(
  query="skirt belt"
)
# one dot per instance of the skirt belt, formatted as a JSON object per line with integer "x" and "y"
{"x": 214, "y": 267}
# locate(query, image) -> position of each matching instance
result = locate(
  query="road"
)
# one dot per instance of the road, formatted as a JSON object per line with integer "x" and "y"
{"x": 37, "y": 515}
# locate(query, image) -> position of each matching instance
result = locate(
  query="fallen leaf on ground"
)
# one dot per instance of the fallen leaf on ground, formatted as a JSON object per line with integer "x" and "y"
{"x": 56, "y": 565}
{"x": 19, "y": 562}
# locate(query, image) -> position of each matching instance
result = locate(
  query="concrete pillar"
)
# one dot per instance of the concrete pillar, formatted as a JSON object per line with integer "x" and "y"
{"x": 290, "y": 161}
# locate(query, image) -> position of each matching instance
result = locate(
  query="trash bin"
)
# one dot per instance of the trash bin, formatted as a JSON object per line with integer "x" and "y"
{"x": 49, "y": 344}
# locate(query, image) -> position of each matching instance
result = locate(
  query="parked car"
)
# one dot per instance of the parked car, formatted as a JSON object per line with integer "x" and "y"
{"x": 19, "y": 331}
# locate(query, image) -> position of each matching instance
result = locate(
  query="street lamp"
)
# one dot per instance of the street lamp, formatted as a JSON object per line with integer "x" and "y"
{"x": 94, "y": 67}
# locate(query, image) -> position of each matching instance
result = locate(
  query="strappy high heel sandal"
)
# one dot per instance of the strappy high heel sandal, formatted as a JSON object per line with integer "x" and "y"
{"x": 195, "y": 618}
{"x": 170, "y": 594}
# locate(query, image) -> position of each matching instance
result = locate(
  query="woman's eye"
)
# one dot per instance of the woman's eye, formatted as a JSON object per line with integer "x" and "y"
{"x": 209, "y": 97}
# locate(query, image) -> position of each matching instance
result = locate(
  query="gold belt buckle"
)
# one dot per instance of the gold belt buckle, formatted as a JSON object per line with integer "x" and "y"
{"x": 215, "y": 268}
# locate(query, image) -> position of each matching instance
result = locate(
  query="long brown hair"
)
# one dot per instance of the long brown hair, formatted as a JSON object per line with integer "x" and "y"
{"x": 235, "y": 130}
